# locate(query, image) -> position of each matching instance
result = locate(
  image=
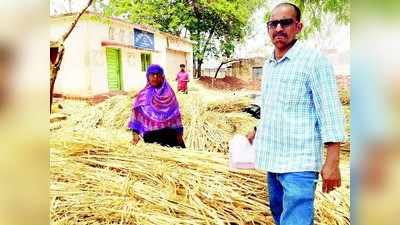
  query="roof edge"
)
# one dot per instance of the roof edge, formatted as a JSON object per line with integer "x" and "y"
{"x": 141, "y": 26}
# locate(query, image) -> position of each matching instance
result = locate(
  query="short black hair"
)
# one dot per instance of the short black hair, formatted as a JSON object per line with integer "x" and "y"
{"x": 296, "y": 9}
{"x": 182, "y": 65}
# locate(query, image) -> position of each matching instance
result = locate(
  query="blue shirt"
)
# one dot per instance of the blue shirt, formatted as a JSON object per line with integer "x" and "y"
{"x": 300, "y": 111}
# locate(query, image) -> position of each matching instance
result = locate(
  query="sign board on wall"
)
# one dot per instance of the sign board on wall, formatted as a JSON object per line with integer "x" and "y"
{"x": 143, "y": 39}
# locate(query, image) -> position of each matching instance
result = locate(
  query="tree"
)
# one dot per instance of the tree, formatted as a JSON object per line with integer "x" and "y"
{"x": 218, "y": 26}
{"x": 55, "y": 62}
{"x": 213, "y": 25}
{"x": 314, "y": 10}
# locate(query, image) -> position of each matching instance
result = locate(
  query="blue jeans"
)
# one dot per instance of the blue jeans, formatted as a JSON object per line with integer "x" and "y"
{"x": 291, "y": 197}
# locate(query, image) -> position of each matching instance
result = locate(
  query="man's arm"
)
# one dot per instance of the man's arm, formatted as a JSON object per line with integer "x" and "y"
{"x": 330, "y": 120}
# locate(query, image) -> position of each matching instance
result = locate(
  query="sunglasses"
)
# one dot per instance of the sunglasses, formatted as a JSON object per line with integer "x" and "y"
{"x": 284, "y": 23}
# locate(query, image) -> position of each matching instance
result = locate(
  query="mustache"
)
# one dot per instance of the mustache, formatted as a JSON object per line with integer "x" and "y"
{"x": 279, "y": 34}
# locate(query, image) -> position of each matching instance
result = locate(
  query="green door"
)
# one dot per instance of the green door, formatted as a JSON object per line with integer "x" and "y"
{"x": 114, "y": 69}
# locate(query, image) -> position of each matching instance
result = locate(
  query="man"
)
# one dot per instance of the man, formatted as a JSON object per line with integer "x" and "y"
{"x": 300, "y": 112}
{"x": 183, "y": 78}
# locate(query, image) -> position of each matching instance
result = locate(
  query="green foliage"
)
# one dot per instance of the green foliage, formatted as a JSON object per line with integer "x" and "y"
{"x": 314, "y": 10}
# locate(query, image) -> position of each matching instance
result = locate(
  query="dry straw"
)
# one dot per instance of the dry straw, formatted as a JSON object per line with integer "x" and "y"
{"x": 98, "y": 177}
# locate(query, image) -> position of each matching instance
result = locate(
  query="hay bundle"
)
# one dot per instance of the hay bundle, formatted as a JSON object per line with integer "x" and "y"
{"x": 204, "y": 130}
{"x": 112, "y": 113}
{"x": 56, "y": 125}
{"x": 115, "y": 112}
{"x": 71, "y": 106}
{"x": 242, "y": 122}
{"x": 97, "y": 178}
{"x": 118, "y": 112}
{"x": 228, "y": 105}
{"x": 209, "y": 130}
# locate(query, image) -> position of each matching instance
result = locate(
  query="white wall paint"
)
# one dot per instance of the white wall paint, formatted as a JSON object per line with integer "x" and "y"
{"x": 84, "y": 68}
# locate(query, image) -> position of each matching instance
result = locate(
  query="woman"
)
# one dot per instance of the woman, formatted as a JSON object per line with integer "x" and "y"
{"x": 183, "y": 78}
{"x": 155, "y": 114}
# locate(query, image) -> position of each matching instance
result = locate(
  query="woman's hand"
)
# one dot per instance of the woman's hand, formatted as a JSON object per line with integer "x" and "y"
{"x": 135, "y": 138}
{"x": 251, "y": 135}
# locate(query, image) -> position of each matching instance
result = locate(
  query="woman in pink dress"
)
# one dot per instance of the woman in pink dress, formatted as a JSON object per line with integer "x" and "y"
{"x": 183, "y": 78}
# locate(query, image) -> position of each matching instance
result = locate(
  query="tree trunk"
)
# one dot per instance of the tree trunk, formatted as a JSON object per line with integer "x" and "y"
{"x": 52, "y": 82}
{"x": 194, "y": 68}
{"x": 199, "y": 63}
{"x": 55, "y": 66}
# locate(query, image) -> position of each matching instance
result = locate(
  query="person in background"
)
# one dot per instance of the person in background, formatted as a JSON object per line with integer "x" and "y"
{"x": 183, "y": 78}
{"x": 300, "y": 113}
{"x": 155, "y": 113}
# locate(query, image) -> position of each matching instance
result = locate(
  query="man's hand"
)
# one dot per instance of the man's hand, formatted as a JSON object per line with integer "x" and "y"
{"x": 135, "y": 138}
{"x": 331, "y": 177}
{"x": 330, "y": 171}
{"x": 251, "y": 135}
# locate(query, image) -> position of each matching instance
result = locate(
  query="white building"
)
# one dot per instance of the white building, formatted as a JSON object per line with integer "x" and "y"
{"x": 108, "y": 54}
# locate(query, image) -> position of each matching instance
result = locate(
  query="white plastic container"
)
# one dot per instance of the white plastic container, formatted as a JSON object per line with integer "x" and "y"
{"x": 242, "y": 154}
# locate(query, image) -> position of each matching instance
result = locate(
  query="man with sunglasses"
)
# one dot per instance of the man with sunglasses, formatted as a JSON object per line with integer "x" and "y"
{"x": 301, "y": 112}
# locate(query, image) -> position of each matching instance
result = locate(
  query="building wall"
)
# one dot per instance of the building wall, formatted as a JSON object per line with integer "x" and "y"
{"x": 98, "y": 62}
{"x": 174, "y": 59}
{"x": 132, "y": 76}
{"x": 179, "y": 52}
{"x": 73, "y": 75}
{"x": 84, "y": 68}
{"x": 244, "y": 68}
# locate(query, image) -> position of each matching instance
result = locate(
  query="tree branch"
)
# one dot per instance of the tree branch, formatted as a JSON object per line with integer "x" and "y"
{"x": 65, "y": 36}
{"x": 208, "y": 41}
{"x": 222, "y": 63}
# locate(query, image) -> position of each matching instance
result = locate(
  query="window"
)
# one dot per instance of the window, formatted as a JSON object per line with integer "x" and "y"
{"x": 146, "y": 60}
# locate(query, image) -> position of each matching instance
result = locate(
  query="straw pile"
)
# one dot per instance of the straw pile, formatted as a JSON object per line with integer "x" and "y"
{"x": 229, "y": 105}
{"x": 211, "y": 130}
{"x": 204, "y": 130}
{"x": 97, "y": 177}
{"x": 113, "y": 113}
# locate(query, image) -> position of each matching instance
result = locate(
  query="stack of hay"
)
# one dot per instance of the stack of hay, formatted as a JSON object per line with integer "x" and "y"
{"x": 97, "y": 177}
{"x": 113, "y": 112}
{"x": 206, "y": 125}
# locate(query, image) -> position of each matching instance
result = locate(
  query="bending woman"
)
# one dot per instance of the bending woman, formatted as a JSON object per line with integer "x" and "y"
{"x": 155, "y": 114}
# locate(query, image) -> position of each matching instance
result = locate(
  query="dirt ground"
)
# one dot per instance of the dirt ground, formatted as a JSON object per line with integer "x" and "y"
{"x": 229, "y": 83}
